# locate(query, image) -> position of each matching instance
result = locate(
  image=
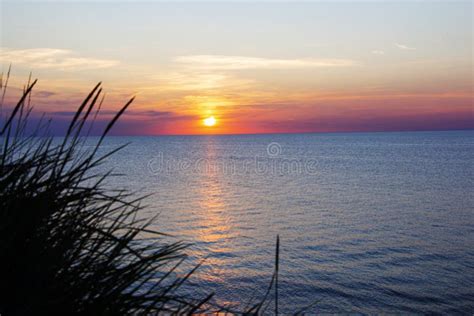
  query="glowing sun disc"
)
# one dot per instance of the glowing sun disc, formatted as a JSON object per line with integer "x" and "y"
{"x": 210, "y": 121}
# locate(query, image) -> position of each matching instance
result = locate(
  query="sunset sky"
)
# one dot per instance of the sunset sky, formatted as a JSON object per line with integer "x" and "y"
{"x": 261, "y": 67}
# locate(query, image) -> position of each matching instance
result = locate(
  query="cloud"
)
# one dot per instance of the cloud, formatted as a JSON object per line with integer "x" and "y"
{"x": 190, "y": 80}
{"x": 147, "y": 114}
{"x": 378, "y": 52}
{"x": 373, "y": 123}
{"x": 196, "y": 79}
{"x": 221, "y": 62}
{"x": 43, "y": 94}
{"x": 404, "y": 47}
{"x": 51, "y": 58}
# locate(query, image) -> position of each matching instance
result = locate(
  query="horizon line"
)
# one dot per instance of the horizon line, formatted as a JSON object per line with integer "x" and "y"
{"x": 292, "y": 133}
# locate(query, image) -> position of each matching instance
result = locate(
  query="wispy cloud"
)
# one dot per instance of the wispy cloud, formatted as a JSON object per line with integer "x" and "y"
{"x": 404, "y": 47}
{"x": 378, "y": 52}
{"x": 148, "y": 114}
{"x": 51, "y": 58}
{"x": 196, "y": 79}
{"x": 221, "y": 62}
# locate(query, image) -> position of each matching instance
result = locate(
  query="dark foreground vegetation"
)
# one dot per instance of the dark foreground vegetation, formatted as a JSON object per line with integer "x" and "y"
{"x": 70, "y": 245}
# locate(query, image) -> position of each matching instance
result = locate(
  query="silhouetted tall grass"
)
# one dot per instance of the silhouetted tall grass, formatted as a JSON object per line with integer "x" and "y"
{"x": 69, "y": 244}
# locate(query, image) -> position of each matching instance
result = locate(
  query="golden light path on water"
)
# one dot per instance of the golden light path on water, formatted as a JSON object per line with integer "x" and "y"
{"x": 215, "y": 220}
{"x": 213, "y": 226}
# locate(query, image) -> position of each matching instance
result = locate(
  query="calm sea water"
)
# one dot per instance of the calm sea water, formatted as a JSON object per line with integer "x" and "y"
{"x": 371, "y": 223}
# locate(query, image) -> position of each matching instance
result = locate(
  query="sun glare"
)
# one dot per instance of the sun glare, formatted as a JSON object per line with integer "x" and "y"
{"x": 210, "y": 121}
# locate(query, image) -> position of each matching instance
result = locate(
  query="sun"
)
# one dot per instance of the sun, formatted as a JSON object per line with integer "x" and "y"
{"x": 210, "y": 121}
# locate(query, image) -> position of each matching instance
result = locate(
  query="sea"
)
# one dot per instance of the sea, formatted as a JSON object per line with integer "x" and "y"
{"x": 368, "y": 222}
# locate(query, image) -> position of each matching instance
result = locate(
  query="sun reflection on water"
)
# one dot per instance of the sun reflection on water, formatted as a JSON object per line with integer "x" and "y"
{"x": 214, "y": 223}
{"x": 214, "y": 218}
